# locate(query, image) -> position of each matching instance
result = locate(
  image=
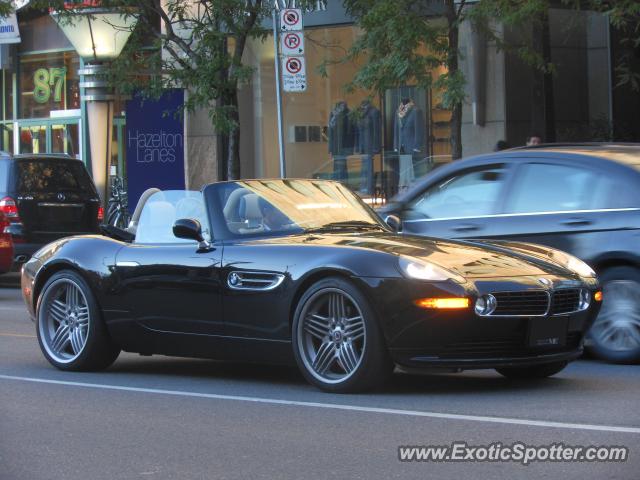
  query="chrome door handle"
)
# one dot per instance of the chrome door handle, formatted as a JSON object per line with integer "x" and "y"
{"x": 127, "y": 264}
{"x": 465, "y": 227}
{"x": 576, "y": 222}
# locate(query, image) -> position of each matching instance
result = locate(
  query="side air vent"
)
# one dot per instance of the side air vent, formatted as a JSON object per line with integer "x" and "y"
{"x": 256, "y": 281}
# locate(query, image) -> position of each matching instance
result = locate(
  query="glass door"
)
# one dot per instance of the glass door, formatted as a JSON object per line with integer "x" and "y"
{"x": 65, "y": 138}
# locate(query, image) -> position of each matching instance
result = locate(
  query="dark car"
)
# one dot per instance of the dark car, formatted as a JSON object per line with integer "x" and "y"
{"x": 6, "y": 246}
{"x": 46, "y": 197}
{"x": 302, "y": 271}
{"x": 582, "y": 199}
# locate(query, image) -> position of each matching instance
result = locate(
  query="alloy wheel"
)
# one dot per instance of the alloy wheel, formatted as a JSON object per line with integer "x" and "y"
{"x": 64, "y": 320}
{"x": 332, "y": 335}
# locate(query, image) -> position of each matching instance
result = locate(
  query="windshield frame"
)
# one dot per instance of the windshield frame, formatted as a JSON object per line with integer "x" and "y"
{"x": 221, "y": 231}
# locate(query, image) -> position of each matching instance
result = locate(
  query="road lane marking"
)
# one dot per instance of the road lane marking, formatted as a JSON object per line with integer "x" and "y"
{"x": 336, "y": 406}
{"x": 22, "y": 335}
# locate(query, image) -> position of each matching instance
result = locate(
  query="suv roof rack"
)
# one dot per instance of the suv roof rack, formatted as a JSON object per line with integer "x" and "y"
{"x": 44, "y": 155}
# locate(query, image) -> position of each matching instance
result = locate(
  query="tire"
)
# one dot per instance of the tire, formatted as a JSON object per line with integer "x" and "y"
{"x": 70, "y": 329}
{"x": 615, "y": 334}
{"x": 337, "y": 341}
{"x": 533, "y": 372}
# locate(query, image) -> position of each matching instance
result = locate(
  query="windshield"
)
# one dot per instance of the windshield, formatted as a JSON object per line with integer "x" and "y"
{"x": 162, "y": 209}
{"x": 276, "y": 207}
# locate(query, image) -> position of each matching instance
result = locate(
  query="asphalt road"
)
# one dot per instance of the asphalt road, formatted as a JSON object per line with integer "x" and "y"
{"x": 164, "y": 418}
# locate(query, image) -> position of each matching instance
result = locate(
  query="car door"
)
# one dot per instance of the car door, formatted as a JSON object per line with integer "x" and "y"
{"x": 170, "y": 284}
{"x": 569, "y": 206}
{"x": 460, "y": 205}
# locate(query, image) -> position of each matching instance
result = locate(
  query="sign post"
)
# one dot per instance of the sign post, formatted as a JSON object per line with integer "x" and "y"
{"x": 288, "y": 44}
{"x": 283, "y": 170}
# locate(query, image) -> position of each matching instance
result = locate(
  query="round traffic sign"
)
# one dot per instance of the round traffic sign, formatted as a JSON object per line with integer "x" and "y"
{"x": 293, "y": 65}
{"x": 292, "y": 40}
{"x": 290, "y": 17}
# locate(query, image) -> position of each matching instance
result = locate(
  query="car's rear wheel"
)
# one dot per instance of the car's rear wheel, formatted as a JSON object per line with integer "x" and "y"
{"x": 70, "y": 329}
{"x": 532, "y": 372}
{"x": 337, "y": 341}
{"x": 615, "y": 335}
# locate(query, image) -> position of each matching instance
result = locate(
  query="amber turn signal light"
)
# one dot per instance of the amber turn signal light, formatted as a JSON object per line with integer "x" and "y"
{"x": 442, "y": 303}
{"x": 598, "y": 296}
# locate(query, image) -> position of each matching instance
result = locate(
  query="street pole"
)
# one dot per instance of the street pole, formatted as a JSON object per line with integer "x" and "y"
{"x": 276, "y": 60}
{"x": 98, "y": 98}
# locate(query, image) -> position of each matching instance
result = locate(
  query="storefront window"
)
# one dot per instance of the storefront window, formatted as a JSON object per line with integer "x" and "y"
{"x": 7, "y": 97}
{"x": 65, "y": 139}
{"x": 6, "y": 137}
{"x": 48, "y": 82}
{"x": 376, "y": 144}
{"x": 33, "y": 139}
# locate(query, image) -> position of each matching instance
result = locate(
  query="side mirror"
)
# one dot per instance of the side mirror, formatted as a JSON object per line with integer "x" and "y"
{"x": 191, "y": 229}
{"x": 394, "y": 222}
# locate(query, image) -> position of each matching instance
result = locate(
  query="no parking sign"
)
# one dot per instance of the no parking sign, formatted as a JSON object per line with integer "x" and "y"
{"x": 291, "y": 20}
{"x": 294, "y": 75}
{"x": 292, "y": 43}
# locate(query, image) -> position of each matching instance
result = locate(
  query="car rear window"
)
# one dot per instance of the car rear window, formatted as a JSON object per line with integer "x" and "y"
{"x": 51, "y": 175}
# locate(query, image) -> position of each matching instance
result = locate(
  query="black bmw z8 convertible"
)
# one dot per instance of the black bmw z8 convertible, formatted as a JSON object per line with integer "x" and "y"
{"x": 303, "y": 272}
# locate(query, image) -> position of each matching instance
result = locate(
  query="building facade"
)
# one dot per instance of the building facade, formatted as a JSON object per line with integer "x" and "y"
{"x": 376, "y": 143}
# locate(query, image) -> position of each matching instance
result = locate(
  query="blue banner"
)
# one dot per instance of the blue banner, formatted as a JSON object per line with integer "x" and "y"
{"x": 155, "y": 145}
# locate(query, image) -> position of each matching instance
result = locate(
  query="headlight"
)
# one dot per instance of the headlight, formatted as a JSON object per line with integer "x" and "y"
{"x": 585, "y": 299}
{"x": 421, "y": 270}
{"x": 486, "y": 305}
{"x": 572, "y": 263}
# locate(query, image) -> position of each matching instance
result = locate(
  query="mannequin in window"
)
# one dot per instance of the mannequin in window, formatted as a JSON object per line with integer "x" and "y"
{"x": 367, "y": 142}
{"x": 340, "y": 133}
{"x": 408, "y": 139}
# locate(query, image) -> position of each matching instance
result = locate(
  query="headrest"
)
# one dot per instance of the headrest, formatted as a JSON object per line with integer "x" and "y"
{"x": 250, "y": 207}
{"x": 158, "y": 214}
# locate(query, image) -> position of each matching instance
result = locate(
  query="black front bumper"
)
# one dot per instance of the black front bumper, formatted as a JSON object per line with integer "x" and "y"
{"x": 419, "y": 361}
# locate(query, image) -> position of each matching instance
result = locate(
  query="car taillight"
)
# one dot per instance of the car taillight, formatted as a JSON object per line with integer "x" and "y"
{"x": 100, "y": 214}
{"x": 10, "y": 209}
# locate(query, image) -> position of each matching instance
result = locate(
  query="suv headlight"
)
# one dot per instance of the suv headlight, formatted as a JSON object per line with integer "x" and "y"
{"x": 421, "y": 270}
{"x": 574, "y": 264}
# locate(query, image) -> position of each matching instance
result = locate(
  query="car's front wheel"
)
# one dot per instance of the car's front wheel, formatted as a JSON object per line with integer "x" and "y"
{"x": 71, "y": 333}
{"x": 615, "y": 335}
{"x": 337, "y": 341}
{"x": 532, "y": 372}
